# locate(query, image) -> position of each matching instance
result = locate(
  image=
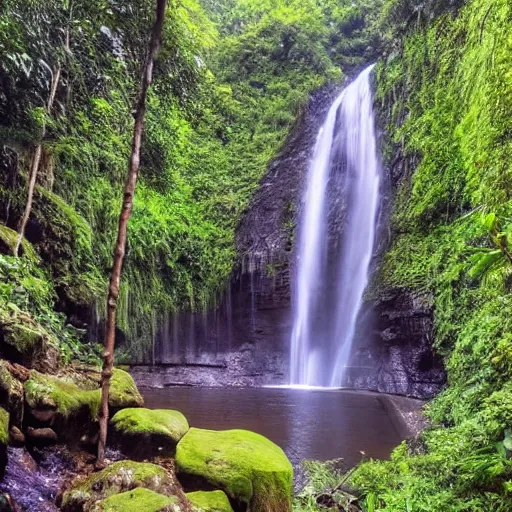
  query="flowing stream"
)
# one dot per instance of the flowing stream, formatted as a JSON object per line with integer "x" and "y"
{"x": 332, "y": 274}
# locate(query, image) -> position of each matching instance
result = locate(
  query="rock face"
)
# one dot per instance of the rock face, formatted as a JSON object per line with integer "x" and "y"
{"x": 396, "y": 355}
{"x": 252, "y": 470}
{"x": 245, "y": 340}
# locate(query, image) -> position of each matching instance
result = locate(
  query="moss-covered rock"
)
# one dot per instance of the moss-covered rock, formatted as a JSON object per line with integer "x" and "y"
{"x": 143, "y": 433}
{"x": 117, "y": 478}
{"x": 70, "y": 404}
{"x": 139, "y": 500}
{"x": 123, "y": 391}
{"x": 213, "y": 501}
{"x": 11, "y": 393}
{"x": 24, "y": 341}
{"x": 4, "y": 439}
{"x": 247, "y": 466}
{"x": 8, "y": 238}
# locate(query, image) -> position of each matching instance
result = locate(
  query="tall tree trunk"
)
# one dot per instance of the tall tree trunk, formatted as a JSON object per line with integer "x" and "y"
{"x": 126, "y": 210}
{"x": 36, "y": 161}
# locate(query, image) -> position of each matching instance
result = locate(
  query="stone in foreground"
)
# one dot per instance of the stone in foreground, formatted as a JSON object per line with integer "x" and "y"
{"x": 138, "y": 500}
{"x": 144, "y": 433}
{"x": 213, "y": 501}
{"x": 117, "y": 478}
{"x": 252, "y": 470}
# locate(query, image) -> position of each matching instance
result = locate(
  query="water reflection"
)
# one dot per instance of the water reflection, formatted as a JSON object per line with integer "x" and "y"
{"x": 307, "y": 424}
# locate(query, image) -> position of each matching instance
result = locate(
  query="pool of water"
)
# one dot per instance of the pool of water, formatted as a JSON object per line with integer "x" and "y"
{"x": 307, "y": 424}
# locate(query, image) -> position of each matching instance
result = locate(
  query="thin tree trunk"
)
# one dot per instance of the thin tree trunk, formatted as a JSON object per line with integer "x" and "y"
{"x": 126, "y": 210}
{"x": 36, "y": 161}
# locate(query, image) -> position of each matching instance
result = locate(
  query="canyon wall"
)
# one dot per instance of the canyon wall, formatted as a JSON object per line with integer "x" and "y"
{"x": 244, "y": 339}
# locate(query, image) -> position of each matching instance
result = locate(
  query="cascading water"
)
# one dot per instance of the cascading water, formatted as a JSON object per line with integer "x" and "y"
{"x": 332, "y": 274}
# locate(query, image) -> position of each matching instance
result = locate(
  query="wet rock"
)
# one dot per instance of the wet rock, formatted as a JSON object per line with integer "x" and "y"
{"x": 11, "y": 393}
{"x": 213, "y": 501}
{"x": 252, "y": 470}
{"x": 140, "y": 500}
{"x": 144, "y": 433}
{"x": 396, "y": 355}
{"x": 4, "y": 439}
{"x": 41, "y": 437}
{"x": 17, "y": 437}
{"x": 117, "y": 478}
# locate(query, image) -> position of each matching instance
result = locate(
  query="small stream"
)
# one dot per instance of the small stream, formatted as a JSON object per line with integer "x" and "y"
{"x": 34, "y": 486}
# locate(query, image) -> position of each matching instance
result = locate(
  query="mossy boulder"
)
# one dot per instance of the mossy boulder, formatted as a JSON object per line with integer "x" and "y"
{"x": 4, "y": 439}
{"x": 24, "y": 341}
{"x": 8, "y": 239}
{"x": 247, "y": 466}
{"x": 123, "y": 391}
{"x": 69, "y": 404}
{"x": 117, "y": 478}
{"x": 139, "y": 500}
{"x": 212, "y": 501}
{"x": 143, "y": 433}
{"x": 11, "y": 393}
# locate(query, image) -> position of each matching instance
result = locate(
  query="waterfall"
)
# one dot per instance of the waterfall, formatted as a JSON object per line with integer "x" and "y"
{"x": 332, "y": 270}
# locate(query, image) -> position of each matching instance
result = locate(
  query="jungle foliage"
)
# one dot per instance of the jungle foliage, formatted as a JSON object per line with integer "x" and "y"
{"x": 445, "y": 91}
{"x": 231, "y": 81}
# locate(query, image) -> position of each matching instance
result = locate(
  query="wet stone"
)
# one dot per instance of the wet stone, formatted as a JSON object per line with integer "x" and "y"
{"x": 41, "y": 436}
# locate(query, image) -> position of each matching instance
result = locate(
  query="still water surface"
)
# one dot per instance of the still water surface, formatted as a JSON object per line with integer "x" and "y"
{"x": 307, "y": 424}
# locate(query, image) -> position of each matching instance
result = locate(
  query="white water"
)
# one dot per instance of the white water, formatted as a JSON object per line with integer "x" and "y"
{"x": 328, "y": 294}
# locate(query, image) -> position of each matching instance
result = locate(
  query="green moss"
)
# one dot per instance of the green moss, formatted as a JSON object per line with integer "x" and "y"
{"x": 8, "y": 238}
{"x": 123, "y": 391}
{"x": 27, "y": 342}
{"x": 246, "y": 465}
{"x": 4, "y": 427}
{"x": 148, "y": 421}
{"x": 212, "y": 501}
{"x": 73, "y": 396}
{"x": 11, "y": 394}
{"x": 117, "y": 478}
{"x": 448, "y": 97}
{"x": 141, "y": 500}
{"x": 43, "y": 391}
{"x": 143, "y": 433}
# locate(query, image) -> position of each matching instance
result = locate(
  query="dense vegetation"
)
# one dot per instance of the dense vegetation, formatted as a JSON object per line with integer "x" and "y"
{"x": 231, "y": 82}
{"x": 445, "y": 91}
